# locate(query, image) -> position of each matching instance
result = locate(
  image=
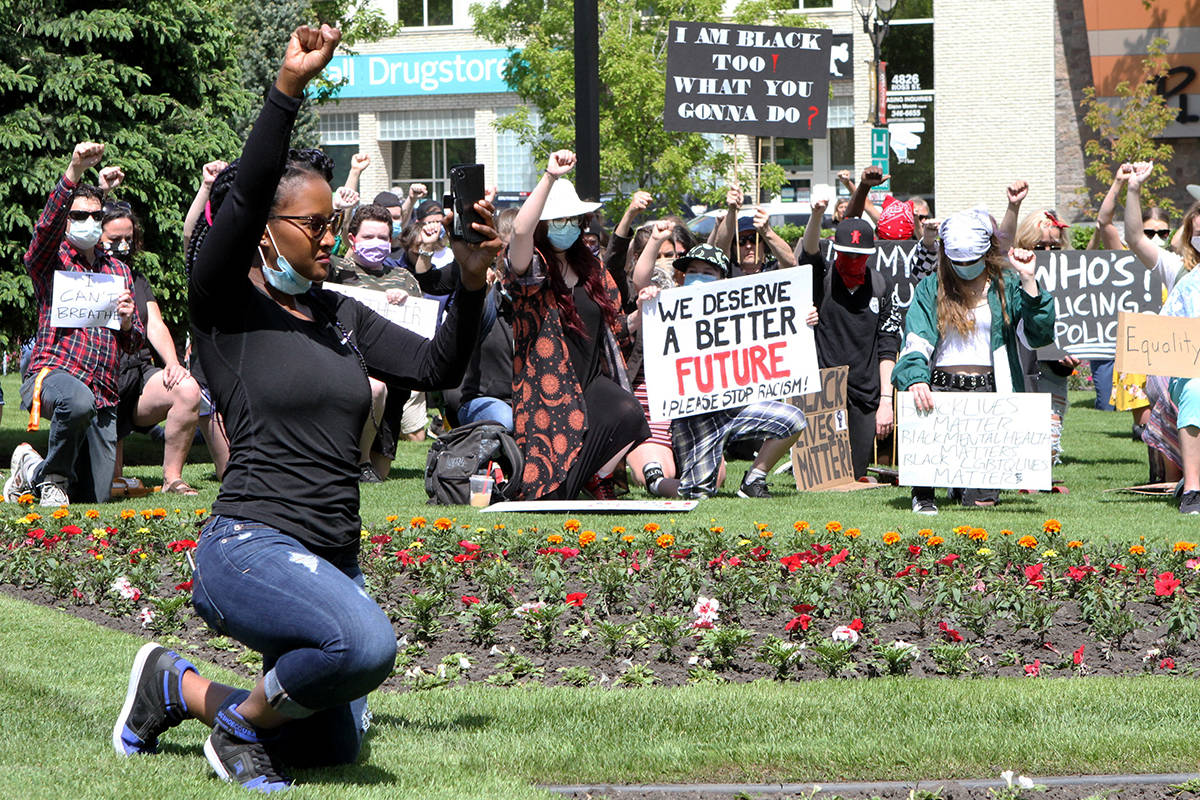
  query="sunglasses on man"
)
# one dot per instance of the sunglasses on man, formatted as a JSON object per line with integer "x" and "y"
{"x": 79, "y": 215}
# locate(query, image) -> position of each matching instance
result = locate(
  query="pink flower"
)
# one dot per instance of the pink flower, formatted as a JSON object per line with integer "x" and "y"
{"x": 950, "y": 634}
{"x": 1192, "y": 563}
{"x": 1034, "y": 669}
{"x": 469, "y": 546}
{"x": 706, "y": 607}
{"x": 127, "y": 590}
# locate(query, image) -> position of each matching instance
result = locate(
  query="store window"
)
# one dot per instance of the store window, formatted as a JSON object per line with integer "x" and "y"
{"x": 339, "y": 140}
{"x": 425, "y": 144}
{"x": 424, "y": 13}
{"x": 516, "y": 170}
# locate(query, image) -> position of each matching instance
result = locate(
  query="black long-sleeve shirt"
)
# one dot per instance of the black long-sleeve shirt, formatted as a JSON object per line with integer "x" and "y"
{"x": 292, "y": 392}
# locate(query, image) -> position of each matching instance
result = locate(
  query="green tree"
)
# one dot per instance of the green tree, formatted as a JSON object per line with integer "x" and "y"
{"x": 155, "y": 81}
{"x": 635, "y": 152}
{"x": 1127, "y": 131}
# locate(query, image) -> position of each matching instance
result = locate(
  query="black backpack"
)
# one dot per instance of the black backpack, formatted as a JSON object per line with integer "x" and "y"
{"x": 465, "y": 451}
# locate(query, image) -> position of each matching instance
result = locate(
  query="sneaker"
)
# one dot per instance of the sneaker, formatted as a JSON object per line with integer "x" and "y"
{"x": 652, "y": 474}
{"x": 600, "y": 488}
{"x": 25, "y": 461}
{"x": 52, "y": 491}
{"x": 754, "y": 489}
{"x": 1189, "y": 503}
{"x": 367, "y": 474}
{"x": 248, "y": 763}
{"x": 924, "y": 505}
{"x": 154, "y": 701}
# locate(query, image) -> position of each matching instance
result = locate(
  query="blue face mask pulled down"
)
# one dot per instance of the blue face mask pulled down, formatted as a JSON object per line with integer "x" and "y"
{"x": 284, "y": 277}
{"x": 698, "y": 277}
{"x": 562, "y": 233}
{"x": 969, "y": 272}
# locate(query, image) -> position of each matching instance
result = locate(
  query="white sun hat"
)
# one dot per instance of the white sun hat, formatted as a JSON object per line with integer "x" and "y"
{"x": 563, "y": 202}
{"x": 1194, "y": 190}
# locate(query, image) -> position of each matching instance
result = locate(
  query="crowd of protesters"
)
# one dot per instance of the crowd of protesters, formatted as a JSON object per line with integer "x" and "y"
{"x": 302, "y": 393}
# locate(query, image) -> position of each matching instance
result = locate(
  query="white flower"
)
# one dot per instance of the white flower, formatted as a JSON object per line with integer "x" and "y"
{"x": 127, "y": 590}
{"x": 1008, "y": 776}
{"x": 910, "y": 650}
{"x": 145, "y": 615}
{"x": 707, "y": 608}
{"x": 525, "y": 608}
{"x": 1024, "y": 783}
{"x": 844, "y": 633}
{"x": 464, "y": 663}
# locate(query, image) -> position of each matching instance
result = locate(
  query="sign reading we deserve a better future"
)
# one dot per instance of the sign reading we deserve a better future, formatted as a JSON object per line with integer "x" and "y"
{"x": 749, "y": 79}
{"x": 983, "y": 440}
{"x": 85, "y": 300}
{"x": 729, "y": 343}
{"x": 1152, "y": 345}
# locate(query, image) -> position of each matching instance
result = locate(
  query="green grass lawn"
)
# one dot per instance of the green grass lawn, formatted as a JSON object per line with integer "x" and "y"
{"x": 62, "y": 679}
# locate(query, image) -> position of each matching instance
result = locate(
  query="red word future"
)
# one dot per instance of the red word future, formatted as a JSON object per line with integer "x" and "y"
{"x": 743, "y": 366}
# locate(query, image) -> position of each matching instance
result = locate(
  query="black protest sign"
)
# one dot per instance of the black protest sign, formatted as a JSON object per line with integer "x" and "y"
{"x": 1090, "y": 288}
{"x": 821, "y": 456}
{"x": 756, "y": 80}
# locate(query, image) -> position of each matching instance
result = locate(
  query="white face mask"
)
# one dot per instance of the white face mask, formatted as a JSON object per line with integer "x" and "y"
{"x": 1196, "y": 242}
{"x": 83, "y": 234}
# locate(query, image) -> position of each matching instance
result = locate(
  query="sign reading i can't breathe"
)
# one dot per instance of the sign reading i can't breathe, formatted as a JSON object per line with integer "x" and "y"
{"x": 729, "y": 343}
{"x": 748, "y": 79}
{"x": 85, "y": 300}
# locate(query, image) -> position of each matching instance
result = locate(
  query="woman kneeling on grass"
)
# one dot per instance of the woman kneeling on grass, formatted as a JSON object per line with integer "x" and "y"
{"x": 277, "y": 566}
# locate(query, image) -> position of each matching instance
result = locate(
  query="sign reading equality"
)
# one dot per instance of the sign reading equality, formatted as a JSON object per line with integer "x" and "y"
{"x": 729, "y": 343}
{"x": 1152, "y": 345}
{"x": 748, "y": 79}
{"x": 981, "y": 440}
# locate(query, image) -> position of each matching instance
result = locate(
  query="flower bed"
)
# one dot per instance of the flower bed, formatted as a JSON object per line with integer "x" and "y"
{"x": 672, "y": 604}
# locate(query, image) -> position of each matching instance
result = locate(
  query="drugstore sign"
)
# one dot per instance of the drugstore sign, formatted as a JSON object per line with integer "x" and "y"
{"x": 407, "y": 74}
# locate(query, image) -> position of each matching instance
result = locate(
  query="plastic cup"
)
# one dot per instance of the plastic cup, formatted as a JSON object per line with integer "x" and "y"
{"x": 481, "y": 490}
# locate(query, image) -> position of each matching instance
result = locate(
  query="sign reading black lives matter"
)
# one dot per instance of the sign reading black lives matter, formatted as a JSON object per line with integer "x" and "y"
{"x": 1090, "y": 288}
{"x": 749, "y": 79}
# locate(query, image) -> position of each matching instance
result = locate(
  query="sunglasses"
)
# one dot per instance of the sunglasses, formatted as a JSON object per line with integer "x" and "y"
{"x": 1153, "y": 232}
{"x": 1047, "y": 246}
{"x": 80, "y": 216}
{"x": 315, "y": 224}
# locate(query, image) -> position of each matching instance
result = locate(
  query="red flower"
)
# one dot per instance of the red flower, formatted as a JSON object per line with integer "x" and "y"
{"x": 37, "y": 533}
{"x": 469, "y": 600}
{"x": 802, "y": 622}
{"x": 469, "y": 546}
{"x": 822, "y": 549}
{"x": 1167, "y": 663}
{"x": 947, "y": 560}
{"x": 950, "y": 634}
{"x": 1034, "y": 576}
{"x": 421, "y": 559}
{"x": 1077, "y": 656}
{"x": 856, "y": 624}
{"x": 1034, "y": 669}
{"x": 760, "y": 553}
{"x": 839, "y": 558}
{"x": 684, "y": 553}
{"x": 914, "y": 550}
{"x": 382, "y": 538}
{"x": 1117, "y": 567}
{"x": 904, "y": 572}
{"x": 405, "y": 558}
{"x": 186, "y": 586}
{"x": 179, "y": 545}
{"x": 792, "y": 562}
{"x": 801, "y": 608}
{"x": 1166, "y": 584}
{"x": 576, "y": 599}
{"x": 462, "y": 558}
{"x": 1079, "y": 573}
{"x": 71, "y": 530}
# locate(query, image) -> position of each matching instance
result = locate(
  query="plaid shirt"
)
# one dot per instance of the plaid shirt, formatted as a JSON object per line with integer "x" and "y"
{"x": 700, "y": 439}
{"x": 89, "y": 354}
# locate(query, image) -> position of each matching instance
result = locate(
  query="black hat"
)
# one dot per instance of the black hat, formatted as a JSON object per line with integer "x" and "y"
{"x": 427, "y": 209}
{"x": 854, "y": 236}
{"x": 705, "y": 253}
{"x": 387, "y": 200}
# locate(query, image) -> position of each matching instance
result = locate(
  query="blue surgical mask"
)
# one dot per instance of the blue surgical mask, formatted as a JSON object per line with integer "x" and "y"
{"x": 562, "y": 233}
{"x": 83, "y": 234}
{"x": 698, "y": 277}
{"x": 284, "y": 277}
{"x": 969, "y": 272}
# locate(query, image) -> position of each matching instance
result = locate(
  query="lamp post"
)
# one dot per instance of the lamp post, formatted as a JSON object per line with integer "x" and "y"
{"x": 876, "y": 17}
{"x": 587, "y": 99}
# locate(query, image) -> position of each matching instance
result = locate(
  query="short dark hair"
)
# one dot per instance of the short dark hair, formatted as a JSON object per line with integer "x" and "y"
{"x": 114, "y": 211}
{"x": 373, "y": 212}
{"x": 88, "y": 190}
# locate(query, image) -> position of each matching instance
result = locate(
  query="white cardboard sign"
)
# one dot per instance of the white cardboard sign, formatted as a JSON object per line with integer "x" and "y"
{"x": 85, "y": 300}
{"x": 982, "y": 440}
{"x": 417, "y": 314}
{"x": 730, "y": 343}
{"x": 595, "y": 506}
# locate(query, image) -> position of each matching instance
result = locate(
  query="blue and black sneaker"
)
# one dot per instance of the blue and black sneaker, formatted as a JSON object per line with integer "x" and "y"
{"x": 237, "y": 753}
{"x": 154, "y": 701}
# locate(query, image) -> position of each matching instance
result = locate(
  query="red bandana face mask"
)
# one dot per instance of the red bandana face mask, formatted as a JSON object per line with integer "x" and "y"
{"x": 852, "y": 268}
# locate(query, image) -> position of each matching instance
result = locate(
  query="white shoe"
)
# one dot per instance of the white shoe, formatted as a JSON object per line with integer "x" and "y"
{"x": 53, "y": 492}
{"x": 25, "y": 461}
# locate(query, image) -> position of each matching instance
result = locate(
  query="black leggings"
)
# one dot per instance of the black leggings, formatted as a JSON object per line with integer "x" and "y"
{"x": 614, "y": 421}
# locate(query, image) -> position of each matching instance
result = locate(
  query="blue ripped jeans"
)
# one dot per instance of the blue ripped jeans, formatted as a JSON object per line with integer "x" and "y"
{"x": 325, "y": 642}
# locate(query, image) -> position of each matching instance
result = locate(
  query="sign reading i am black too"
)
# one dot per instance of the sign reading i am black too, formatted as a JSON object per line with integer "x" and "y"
{"x": 756, "y": 80}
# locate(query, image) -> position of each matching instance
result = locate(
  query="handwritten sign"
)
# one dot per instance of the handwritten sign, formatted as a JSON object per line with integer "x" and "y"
{"x": 1152, "y": 345}
{"x": 980, "y": 440}
{"x": 729, "y": 343}
{"x": 749, "y": 79}
{"x": 1090, "y": 288}
{"x": 85, "y": 300}
{"x": 417, "y": 314}
{"x": 821, "y": 456}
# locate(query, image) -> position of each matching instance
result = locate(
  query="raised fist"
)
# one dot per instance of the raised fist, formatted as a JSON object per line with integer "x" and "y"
{"x": 344, "y": 198}
{"x": 359, "y": 162}
{"x": 87, "y": 155}
{"x": 1022, "y": 261}
{"x": 111, "y": 178}
{"x": 873, "y": 176}
{"x": 308, "y": 51}
{"x": 561, "y": 162}
{"x": 1016, "y": 192}
{"x": 210, "y": 171}
{"x": 639, "y": 202}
